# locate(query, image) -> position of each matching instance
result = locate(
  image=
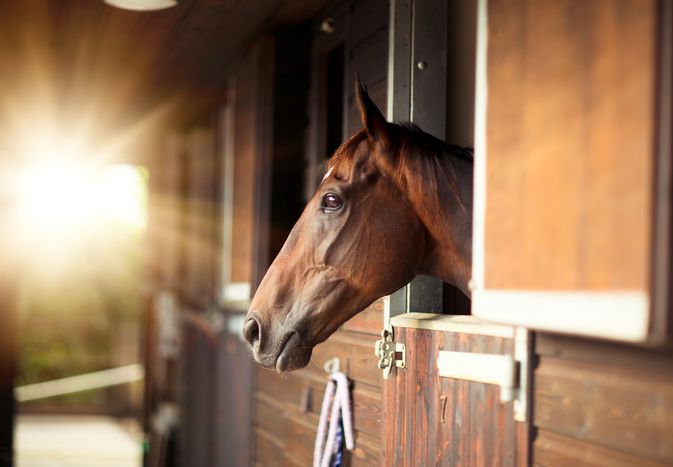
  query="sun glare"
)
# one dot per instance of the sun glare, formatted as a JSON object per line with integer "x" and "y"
{"x": 121, "y": 196}
{"x": 67, "y": 200}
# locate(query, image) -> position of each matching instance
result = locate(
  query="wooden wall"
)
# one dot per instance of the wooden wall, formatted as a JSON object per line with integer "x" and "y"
{"x": 202, "y": 213}
{"x": 599, "y": 404}
{"x": 439, "y": 421}
{"x": 246, "y": 147}
{"x": 192, "y": 268}
{"x": 288, "y": 405}
{"x": 367, "y": 52}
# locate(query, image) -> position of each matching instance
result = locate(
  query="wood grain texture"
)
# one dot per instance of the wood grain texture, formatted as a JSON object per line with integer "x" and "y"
{"x": 165, "y": 209}
{"x": 287, "y": 393}
{"x": 602, "y": 396}
{"x": 202, "y": 218}
{"x": 553, "y": 450}
{"x": 195, "y": 432}
{"x": 245, "y": 150}
{"x": 570, "y": 153}
{"x": 368, "y": 321}
{"x": 279, "y": 409}
{"x": 460, "y": 423}
{"x": 356, "y": 353}
{"x": 268, "y": 447}
{"x": 232, "y": 442}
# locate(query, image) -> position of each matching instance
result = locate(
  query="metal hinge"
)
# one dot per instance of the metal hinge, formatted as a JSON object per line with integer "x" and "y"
{"x": 391, "y": 354}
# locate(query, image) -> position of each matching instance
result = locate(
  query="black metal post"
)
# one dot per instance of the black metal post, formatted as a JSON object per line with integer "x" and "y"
{"x": 8, "y": 367}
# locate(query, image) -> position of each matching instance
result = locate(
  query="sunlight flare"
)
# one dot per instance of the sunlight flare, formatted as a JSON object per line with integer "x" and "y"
{"x": 58, "y": 199}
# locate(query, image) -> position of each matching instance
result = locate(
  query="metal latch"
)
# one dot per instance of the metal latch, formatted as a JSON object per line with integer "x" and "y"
{"x": 510, "y": 372}
{"x": 391, "y": 354}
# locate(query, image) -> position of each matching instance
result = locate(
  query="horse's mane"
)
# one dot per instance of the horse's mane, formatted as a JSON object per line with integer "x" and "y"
{"x": 425, "y": 162}
{"x": 421, "y": 143}
{"x": 422, "y": 162}
{"x": 431, "y": 145}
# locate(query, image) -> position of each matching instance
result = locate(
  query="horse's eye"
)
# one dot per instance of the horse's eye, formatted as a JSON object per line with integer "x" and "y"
{"x": 331, "y": 202}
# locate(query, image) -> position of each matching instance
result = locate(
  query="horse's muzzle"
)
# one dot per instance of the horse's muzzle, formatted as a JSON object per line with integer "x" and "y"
{"x": 286, "y": 352}
{"x": 252, "y": 332}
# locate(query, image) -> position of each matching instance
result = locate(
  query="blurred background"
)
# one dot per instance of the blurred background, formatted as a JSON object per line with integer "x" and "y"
{"x": 74, "y": 202}
{"x": 79, "y": 313}
{"x": 155, "y": 154}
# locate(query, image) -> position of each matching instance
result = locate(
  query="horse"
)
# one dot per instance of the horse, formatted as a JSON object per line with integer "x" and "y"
{"x": 395, "y": 202}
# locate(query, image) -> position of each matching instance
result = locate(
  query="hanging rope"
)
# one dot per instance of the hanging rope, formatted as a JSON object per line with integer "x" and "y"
{"x": 335, "y": 411}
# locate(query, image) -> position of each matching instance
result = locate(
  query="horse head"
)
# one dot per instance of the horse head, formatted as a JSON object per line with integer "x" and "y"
{"x": 359, "y": 238}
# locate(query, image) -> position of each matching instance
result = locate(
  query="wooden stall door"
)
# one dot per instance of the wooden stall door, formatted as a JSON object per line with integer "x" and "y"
{"x": 572, "y": 190}
{"x": 436, "y": 420}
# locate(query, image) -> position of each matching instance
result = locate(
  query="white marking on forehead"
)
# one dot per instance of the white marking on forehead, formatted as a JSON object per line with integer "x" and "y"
{"x": 327, "y": 174}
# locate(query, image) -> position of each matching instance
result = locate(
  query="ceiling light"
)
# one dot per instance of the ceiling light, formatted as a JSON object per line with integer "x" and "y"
{"x": 142, "y": 5}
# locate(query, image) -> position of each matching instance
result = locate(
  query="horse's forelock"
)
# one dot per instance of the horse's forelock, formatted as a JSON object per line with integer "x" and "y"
{"x": 344, "y": 155}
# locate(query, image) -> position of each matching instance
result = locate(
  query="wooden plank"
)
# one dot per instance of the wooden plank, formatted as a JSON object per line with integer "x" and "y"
{"x": 461, "y": 324}
{"x": 267, "y": 449}
{"x": 622, "y": 408}
{"x": 270, "y": 416}
{"x": 245, "y": 150}
{"x": 390, "y": 396}
{"x": 301, "y": 439}
{"x": 284, "y": 397}
{"x": 354, "y": 358}
{"x": 460, "y": 422}
{"x": 202, "y": 215}
{"x": 356, "y": 353}
{"x": 569, "y": 144}
{"x": 263, "y": 157}
{"x": 196, "y": 399}
{"x": 604, "y": 353}
{"x": 167, "y": 209}
{"x": 368, "y": 321}
{"x": 232, "y": 442}
{"x": 551, "y": 449}
{"x": 367, "y": 451}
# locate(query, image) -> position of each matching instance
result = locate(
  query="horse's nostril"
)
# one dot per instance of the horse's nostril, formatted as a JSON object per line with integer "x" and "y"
{"x": 251, "y": 332}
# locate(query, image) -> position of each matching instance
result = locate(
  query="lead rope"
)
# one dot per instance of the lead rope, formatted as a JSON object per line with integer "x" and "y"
{"x": 336, "y": 403}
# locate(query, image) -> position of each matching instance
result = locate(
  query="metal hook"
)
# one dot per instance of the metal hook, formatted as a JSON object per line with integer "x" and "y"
{"x": 333, "y": 365}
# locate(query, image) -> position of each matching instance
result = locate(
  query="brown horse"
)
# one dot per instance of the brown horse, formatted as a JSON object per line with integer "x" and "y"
{"x": 395, "y": 202}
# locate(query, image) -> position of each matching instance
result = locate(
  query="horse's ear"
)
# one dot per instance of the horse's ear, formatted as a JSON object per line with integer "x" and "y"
{"x": 372, "y": 119}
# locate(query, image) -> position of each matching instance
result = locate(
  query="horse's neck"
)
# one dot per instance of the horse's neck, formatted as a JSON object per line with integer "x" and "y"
{"x": 449, "y": 247}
